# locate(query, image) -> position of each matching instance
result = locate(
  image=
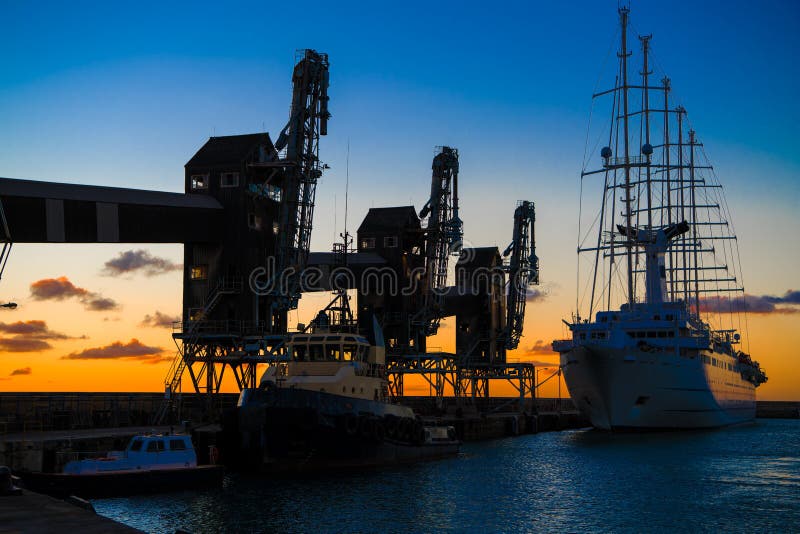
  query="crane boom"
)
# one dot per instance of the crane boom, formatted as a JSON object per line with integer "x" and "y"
{"x": 523, "y": 270}
{"x": 308, "y": 120}
{"x": 444, "y": 234}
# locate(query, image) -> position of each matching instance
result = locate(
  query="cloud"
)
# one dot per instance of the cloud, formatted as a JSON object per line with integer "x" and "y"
{"x": 22, "y": 344}
{"x": 133, "y": 349}
{"x": 791, "y": 297}
{"x": 540, "y": 347}
{"x": 31, "y": 329}
{"x": 21, "y": 372}
{"x": 757, "y": 304}
{"x": 535, "y": 295}
{"x": 541, "y": 293}
{"x": 62, "y": 288}
{"x": 133, "y": 261}
{"x": 100, "y": 303}
{"x": 159, "y": 320}
{"x": 56, "y": 289}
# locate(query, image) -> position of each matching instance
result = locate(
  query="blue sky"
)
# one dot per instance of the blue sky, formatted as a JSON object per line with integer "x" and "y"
{"x": 124, "y": 95}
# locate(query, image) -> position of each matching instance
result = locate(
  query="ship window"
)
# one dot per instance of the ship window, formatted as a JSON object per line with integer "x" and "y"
{"x": 657, "y": 317}
{"x": 583, "y": 336}
{"x": 662, "y": 333}
{"x": 199, "y": 181}
{"x": 315, "y": 353}
{"x": 177, "y": 445}
{"x": 368, "y": 242}
{"x": 229, "y": 179}
{"x": 349, "y": 353}
{"x": 651, "y": 334}
{"x": 390, "y": 242}
{"x": 300, "y": 352}
{"x": 332, "y": 352}
{"x": 136, "y": 445}
{"x": 670, "y": 317}
{"x": 671, "y": 333}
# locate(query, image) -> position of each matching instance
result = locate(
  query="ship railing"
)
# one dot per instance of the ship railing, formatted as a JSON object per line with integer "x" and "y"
{"x": 222, "y": 326}
{"x": 630, "y": 161}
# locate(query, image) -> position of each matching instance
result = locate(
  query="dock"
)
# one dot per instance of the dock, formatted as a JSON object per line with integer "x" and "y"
{"x": 34, "y": 512}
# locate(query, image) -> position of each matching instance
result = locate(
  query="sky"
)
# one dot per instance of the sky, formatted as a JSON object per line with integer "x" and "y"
{"x": 100, "y": 93}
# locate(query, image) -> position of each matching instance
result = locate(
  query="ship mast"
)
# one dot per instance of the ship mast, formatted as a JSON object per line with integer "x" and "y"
{"x": 668, "y": 185}
{"x": 645, "y": 39}
{"x": 623, "y": 15}
{"x": 695, "y": 243}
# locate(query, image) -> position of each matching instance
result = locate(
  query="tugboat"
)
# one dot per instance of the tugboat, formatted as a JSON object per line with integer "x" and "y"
{"x": 149, "y": 464}
{"x": 326, "y": 404}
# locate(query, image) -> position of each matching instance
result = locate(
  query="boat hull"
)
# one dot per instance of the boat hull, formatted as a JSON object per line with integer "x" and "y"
{"x": 631, "y": 389}
{"x": 122, "y": 483}
{"x": 282, "y": 429}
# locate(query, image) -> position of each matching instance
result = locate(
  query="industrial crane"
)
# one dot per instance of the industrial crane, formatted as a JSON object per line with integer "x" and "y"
{"x": 308, "y": 120}
{"x": 523, "y": 271}
{"x": 444, "y": 234}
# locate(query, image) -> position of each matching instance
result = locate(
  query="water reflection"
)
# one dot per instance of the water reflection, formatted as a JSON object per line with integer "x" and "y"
{"x": 734, "y": 479}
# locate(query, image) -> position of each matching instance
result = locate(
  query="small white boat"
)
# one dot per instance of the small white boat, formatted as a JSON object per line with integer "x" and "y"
{"x": 150, "y": 464}
{"x": 151, "y": 452}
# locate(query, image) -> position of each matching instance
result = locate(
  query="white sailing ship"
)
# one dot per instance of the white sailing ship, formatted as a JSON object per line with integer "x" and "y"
{"x": 660, "y": 346}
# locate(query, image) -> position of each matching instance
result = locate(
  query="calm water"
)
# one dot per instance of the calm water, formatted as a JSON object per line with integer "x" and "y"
{"x": 740, "y": 479}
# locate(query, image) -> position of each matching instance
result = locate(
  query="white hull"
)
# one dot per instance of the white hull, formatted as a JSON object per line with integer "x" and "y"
{"x": 627, "y": 388}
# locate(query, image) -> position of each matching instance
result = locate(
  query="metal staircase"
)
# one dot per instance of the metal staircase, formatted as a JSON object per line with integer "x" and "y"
{"x": 226, "y": 285}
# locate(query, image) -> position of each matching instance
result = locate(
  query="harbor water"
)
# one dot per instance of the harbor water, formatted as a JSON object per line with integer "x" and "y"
{"x": 735, "y": 480}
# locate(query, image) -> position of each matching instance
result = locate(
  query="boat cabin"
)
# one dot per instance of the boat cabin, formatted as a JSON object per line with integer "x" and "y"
{"x": 146, "y": 452}
{"x": 328, "y": 348}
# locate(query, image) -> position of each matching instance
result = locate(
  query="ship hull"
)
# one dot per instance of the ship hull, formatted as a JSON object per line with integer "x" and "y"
{"x": 290, "y": 430}
{"x": 631, "y": 389}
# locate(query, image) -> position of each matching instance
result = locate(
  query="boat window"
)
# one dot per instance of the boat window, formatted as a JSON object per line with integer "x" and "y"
{"x": 136, "y": 445}
{"x": 651, "y": 334}
{"x": 334, "y": 338}
{"x": 300, "y": 353}
{"x": 349, "y": 352}
{"x": 350, "y": 338}
{"x": 177, "y": 445}
{"x": 317, "y": 338}
{"x": 155, "y": 445}
{"x": 332, "y": 352}
{"x": 662, "y": 333}
{"x": 315, "y": 353}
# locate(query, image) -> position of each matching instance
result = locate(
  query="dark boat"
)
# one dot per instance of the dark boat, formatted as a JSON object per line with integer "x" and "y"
{"x": 325, "y": 405}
